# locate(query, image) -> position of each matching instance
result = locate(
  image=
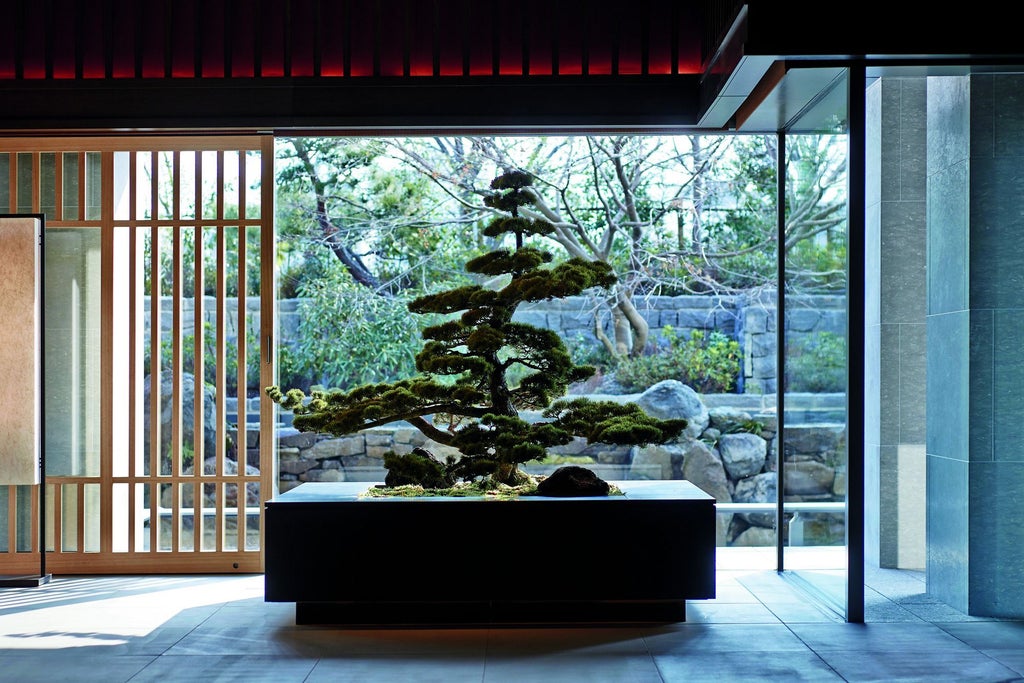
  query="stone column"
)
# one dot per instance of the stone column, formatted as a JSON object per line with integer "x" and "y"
{"x": 895, "y": 317}
{"x": 975, "y": 318}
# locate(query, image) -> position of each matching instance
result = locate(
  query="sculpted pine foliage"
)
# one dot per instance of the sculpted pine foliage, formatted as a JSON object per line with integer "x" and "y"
{"x": 476, "y": 411}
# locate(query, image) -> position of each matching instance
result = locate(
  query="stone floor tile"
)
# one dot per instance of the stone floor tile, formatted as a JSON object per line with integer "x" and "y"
{"x": 550, "y": 668}
{"x": 693, "y": 638}
{"x": 873, "y": 637}
{"x": 962, "y": 665}
{"x": 47, "y": 667}
{"x": 601, "y": 641}
{"x": 988, "y": 635}
{"x": 729, "y": 613}
{"x": 216, "y": 668}
{"x": 420, "y": 668}
{"x": 748, "y": 667}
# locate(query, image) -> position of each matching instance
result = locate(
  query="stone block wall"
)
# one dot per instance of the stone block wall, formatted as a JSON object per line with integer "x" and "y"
{"x": 750, "y": 320}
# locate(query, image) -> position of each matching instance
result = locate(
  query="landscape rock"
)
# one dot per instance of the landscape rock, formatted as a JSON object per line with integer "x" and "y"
{"x": 670, "y": 399}
{"x": 573, "y": 481}
{"x": 742, "y": 454}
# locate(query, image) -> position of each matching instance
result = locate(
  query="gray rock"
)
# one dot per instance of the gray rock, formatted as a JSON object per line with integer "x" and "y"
{"x": 726, "y": 419}
{"x": 297, "y": 466}
{"x": 710, "y": 435}
{"x": 808, "y": 478}
{"x": 742, "y": 454}
{"x": 760, "y": 488}
{"x": 324, "y": 475}
{"x": 703, "y": 469}
{"x": 825, "y": 443}
{"x": 671, "y": 398}
{"x": 188, "y": 392}
{"x": 290, "y": 437}
{"x": 658, "y": 458}
{"x": 338, "y": 447}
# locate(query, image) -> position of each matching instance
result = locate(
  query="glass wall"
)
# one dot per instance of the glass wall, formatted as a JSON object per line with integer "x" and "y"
{"x": 814, "y": 465}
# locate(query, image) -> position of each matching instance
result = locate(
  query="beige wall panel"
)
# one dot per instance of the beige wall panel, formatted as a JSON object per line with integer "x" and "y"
{"x": 19, "y": 349}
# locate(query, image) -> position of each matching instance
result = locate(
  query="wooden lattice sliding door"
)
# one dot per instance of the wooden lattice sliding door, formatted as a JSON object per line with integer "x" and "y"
{"x": 159, "y": 311}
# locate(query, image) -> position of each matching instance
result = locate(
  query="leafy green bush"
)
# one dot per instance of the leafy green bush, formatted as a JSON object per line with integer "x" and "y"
{"x": 817, "y": 364}
{"x": 351, "y": 336}
{"x": 708, "y": 364}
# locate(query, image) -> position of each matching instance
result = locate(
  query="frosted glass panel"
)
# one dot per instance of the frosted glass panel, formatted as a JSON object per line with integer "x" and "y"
{"x": 72, "y": 315}
{"x": 19, "y": 349}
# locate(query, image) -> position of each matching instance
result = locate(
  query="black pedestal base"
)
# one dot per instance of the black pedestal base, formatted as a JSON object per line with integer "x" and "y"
{"x": 475, "y": 614}
{"x": 631, "y": 558}
{"x": 29, "y": 581}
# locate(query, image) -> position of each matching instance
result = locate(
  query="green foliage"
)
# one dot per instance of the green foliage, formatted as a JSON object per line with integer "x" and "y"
{"x": 708, "y": 364}
{"x": 348, "y": 335}
{"x": 347, "y": 195}
{"x": 817, "y": 364}
{"x": 476, "y": 410}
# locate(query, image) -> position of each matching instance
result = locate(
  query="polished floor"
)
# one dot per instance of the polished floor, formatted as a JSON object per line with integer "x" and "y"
{"x": 762, "y": 626}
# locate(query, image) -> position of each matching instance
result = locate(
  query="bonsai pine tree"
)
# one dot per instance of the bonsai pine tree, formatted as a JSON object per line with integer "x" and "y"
{"x": 478, "y": 412}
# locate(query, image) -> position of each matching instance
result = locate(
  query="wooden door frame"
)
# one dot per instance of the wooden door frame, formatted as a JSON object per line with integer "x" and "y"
{"x": 106, "y": 560}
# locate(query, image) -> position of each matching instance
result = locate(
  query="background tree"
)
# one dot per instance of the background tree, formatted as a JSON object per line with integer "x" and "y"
{"x": 669, "y": 214}
{"x": 476, "y": 351}
{"x": 606, "y": 197}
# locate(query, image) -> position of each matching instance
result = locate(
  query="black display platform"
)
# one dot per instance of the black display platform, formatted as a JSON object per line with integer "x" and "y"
{"x": 448, "y": 560}
{"x": 24, "y": 581}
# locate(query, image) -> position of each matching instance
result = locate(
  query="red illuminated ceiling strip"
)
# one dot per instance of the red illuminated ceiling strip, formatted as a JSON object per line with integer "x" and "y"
{"x": 182, "y": 39}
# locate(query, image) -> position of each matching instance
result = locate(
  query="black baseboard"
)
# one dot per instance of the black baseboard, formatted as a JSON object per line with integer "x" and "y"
{"x": 27, "y": 581}
{"x": 483, "y": 614}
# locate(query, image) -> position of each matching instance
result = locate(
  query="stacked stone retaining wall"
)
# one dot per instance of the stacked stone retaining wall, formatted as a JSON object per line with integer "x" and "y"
{"x": 749, "y": 319}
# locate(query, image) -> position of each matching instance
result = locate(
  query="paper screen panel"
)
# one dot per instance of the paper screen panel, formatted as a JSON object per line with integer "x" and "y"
{"x": 19, "y": 349}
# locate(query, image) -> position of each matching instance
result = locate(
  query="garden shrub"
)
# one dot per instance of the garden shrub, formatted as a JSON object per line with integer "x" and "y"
{"x": 817, "y": 364}
{"x": 350, "y": 335}
{"x": 706, "y": 363}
